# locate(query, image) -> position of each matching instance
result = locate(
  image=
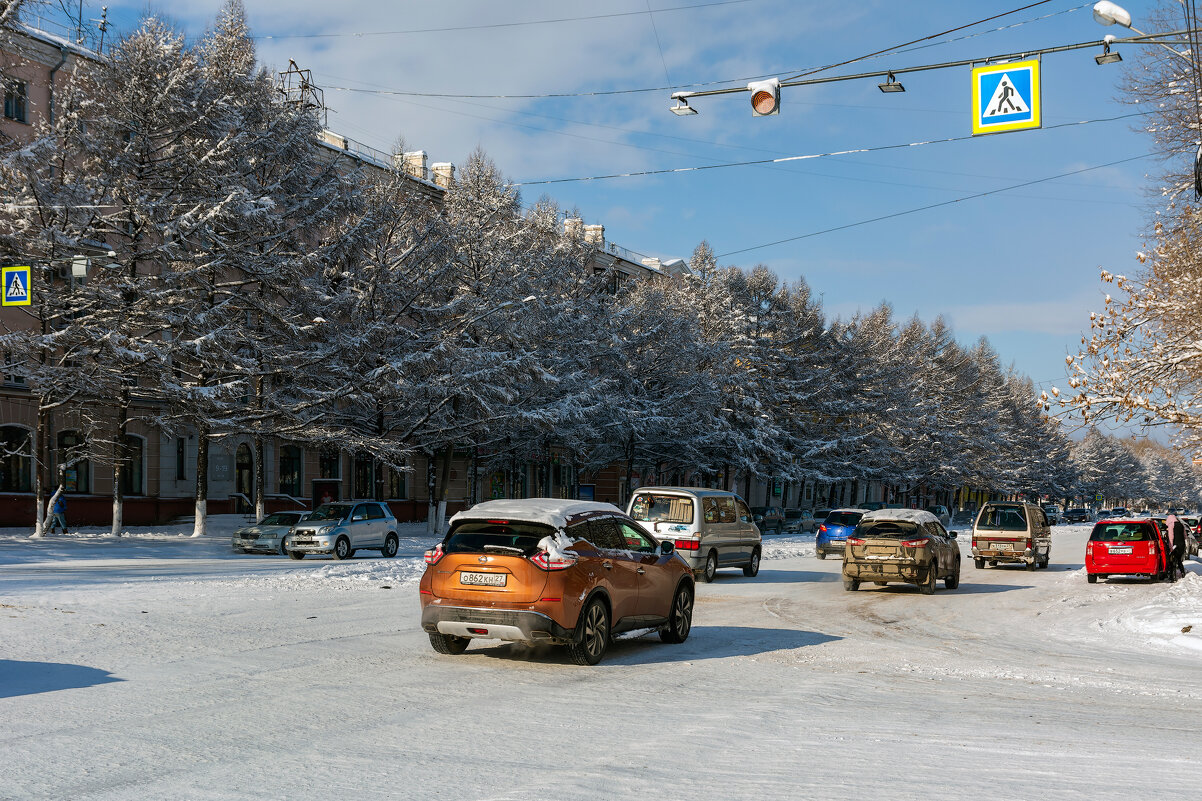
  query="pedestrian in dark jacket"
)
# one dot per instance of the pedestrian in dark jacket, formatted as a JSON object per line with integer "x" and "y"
{"x": 58, "y": 514}
{"x": 1177, "y": 555}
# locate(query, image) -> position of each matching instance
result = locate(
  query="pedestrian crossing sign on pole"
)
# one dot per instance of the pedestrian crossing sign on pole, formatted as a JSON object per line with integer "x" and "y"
{"x": 16, "y": 286}
{"x": 1005, "y": 97}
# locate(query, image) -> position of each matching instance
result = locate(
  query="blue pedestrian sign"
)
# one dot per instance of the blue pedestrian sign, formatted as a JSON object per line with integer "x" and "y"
{"x": 1005, "y": 97}
{"x": 16, "y": 286}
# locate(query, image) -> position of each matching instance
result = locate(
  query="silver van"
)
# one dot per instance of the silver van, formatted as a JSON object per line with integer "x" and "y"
{"x": 1011, "y": 531}
{"x": 709, "y": 528}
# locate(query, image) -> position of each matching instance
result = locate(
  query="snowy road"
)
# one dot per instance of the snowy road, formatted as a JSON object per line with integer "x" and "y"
{"x": 166, "y": 668}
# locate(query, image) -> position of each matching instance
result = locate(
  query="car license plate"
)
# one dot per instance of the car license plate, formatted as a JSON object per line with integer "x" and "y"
{"x": 1001, "y": 546}
{"x": 1120, "y": 550}
{"x": 483, "y": 579}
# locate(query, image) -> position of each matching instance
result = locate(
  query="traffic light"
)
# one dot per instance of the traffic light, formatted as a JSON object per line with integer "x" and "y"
{"x": 765, "y": 97}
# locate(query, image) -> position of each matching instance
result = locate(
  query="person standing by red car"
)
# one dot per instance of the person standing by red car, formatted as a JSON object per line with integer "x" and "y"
{"x": 1176, "y": 551}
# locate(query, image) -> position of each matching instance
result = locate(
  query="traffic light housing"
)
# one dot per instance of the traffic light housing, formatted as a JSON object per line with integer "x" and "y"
{"x": 765, "y": 97}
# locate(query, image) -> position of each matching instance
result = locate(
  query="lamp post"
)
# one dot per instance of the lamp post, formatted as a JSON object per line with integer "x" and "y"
{"x": 1108, "y": 13}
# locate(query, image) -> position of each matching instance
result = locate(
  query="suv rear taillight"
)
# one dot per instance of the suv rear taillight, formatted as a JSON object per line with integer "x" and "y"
{"x": 1030, "y": 545}
{"x": 855, "y": 541}
{"x": 915, "y": 543}
{"x": 822, "y": 529}
{"x": 687, "y": 545}
{"x": 434, "y": 554}
{"x": 546, "y": 561}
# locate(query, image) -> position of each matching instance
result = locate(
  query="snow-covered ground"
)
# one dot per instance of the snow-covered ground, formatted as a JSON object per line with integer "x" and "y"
{"x": 160, "y": 666}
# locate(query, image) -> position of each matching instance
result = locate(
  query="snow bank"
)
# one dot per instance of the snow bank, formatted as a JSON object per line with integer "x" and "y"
{"x": 1172, "y": 617}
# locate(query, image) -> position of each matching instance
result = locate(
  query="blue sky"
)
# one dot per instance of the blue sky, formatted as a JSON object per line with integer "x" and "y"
{"x": 1020, "y": 267}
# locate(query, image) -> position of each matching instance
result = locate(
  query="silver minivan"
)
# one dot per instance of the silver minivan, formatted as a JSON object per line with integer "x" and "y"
{"x": 709, "y": 528}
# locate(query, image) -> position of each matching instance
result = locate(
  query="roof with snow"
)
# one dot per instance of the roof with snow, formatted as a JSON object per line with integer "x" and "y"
{"x": 553, "y": 512}
{"x": 918, "y": 516}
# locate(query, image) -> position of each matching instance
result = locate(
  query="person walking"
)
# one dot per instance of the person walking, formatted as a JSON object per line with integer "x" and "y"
{"x": 58, "y": 513}
{"x": 1177, "y": 554}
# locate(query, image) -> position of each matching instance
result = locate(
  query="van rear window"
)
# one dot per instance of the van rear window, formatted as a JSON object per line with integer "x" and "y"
{"x": 1003, "y": 518}
{"x": 662, "y": 508}
{"x": 1121, "y": 532}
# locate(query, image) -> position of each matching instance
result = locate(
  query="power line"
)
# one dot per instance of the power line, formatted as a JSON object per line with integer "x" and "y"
{"x": 806, "y": 157}
{"x": 942, "y": 203}
{"x": 494, "y": 25}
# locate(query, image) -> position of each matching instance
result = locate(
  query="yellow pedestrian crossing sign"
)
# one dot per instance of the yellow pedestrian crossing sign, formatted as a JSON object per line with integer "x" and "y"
{"x": 16, "y": 286}
{"x": 1005, "y": 97}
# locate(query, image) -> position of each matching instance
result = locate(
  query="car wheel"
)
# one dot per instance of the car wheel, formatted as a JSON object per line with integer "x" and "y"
{"x": 342, "y": 548}
{"x": 1092, "y": 578}
{"x": 448, "y": 643}
{"x": 993, "y": 563}
{"x": 711, "y": 567}
{"x": 592, "y": 638}
{"x": 953, "y": 581}
{"x": 390, "y": 547}
{"x": 296, "y": 554}
{"x": 881, "y": 583}
{"x": 819, "y": 553}
{"x": 979, "y": 564}
{"x": 1032, "y": 565}
{"x": 680, "y": 619}
{"x": 283, "y": 548}
{"x": 927, "y": 587}
{"x": 850, "y": 584}
{"x": 752, "y": 567}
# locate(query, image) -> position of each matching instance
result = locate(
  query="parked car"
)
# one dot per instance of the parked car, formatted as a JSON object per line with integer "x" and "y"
{"x": 769, "y": 519}
{"x": 943, "y": 515}
{"x": 1078, "y": 515}
{"x": 1052, "y": 512}
{"x": 901, "y": 545}
{"x": 1013, "y": 531}
{"x": 553, "y": 572}
{"x": 709, "y": 528}
{"x": 820, "y": 516}
{"x": 1193, "y": 533}
{"x": 1118, "y": 511}
{"x": 1125, "y": 547}
{"x": 871, "y": 506}
{"x": 964, "y": 517}
{"x": 834, "y": 531}
{"x": 798, "y": 521}
{"x": 267, "y": 536}
{"x": 343, "y": 528}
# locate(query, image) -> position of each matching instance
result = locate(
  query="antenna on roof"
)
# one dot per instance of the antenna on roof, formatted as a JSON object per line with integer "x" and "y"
{"x": 298, "y": 88}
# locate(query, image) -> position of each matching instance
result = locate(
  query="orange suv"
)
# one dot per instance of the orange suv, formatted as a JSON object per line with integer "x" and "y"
{"x": 543, "y": 570}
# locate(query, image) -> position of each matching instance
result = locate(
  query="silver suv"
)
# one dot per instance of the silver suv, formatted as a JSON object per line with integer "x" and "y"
{"x": 345, "y": 527}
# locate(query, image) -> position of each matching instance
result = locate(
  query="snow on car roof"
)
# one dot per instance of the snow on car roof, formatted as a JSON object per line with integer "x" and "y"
{"x": 911, "y": 515}
{"x": 553, "y": 512}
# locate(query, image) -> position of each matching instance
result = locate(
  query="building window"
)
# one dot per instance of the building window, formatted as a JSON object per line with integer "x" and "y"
{"x": 365, "y": 469}
{"x": 290, "y": 470}
{"x": 15, "y": 101}
{"x": 396, "y": 486}
{"x": 16, "y": 459}
{"x": 10, "y": 375}
{"x": 133, "y": 449}
{"x": 329, "y": 465}
{"x": 73, "y": 462}
{"x": 181, "y": 459}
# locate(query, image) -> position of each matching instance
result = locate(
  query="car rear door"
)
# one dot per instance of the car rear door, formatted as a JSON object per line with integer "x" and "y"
{"x": 657, "y": 582}
{"x": 618, "y": 567}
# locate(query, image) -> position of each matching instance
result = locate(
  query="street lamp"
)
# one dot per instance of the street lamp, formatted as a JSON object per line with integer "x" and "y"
{"x": 1108, "y": 13}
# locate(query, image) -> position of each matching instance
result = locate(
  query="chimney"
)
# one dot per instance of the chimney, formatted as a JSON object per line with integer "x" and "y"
{"x": 415, "y": 164}
{"x": 573, "y": 227}
{"x": 651, "y": 262}
{"x": 443, "y": 173}
{"x": 594, "y": 235}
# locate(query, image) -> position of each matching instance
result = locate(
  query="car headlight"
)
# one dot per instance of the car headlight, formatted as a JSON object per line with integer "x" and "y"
{"x": 324, "y": 530}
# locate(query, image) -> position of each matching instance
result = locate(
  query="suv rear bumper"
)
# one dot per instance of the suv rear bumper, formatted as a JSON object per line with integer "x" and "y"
{"x": 884, "y": 571}
{"x": 497, "y": 624}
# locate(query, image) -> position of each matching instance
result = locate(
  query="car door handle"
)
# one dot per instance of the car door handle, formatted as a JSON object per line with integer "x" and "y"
{"x": 607, "y": 565}
{"x": 640, "y": 571}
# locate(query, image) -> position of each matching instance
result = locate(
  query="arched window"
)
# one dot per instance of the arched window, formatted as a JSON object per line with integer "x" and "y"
{"x": 134, "y": 448}
{"x": 291, "y": 459}
{"x": 73, "y": 462}
{"x": 16, "y": 459}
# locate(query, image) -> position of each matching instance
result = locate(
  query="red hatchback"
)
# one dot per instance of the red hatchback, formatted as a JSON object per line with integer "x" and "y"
{"x": 1125, "y": 548}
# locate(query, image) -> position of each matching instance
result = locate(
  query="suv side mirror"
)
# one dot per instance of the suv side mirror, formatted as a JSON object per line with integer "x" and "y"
{"x": 952, "y": 534}
{"x": 667, "y": 548}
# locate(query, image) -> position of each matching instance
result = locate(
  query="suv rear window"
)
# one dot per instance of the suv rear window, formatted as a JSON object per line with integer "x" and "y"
{"x": 1004, "y": 518}
{"x": 662, "y": 508}
{"x": 1121, "y": 532}
{"x": 477, "y": 536}
{"x": 843, "y": 518}
{"x": 888, "y": 528}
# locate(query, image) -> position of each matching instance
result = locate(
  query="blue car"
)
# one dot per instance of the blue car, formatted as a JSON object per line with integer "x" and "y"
{"x": 833, "y": 533}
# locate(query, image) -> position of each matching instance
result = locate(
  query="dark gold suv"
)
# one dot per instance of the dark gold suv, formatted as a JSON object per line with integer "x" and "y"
{"x": 901, "y": 545}
{"x": 551, "y": 571}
